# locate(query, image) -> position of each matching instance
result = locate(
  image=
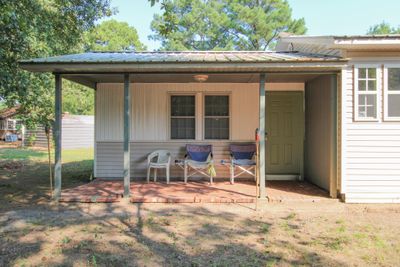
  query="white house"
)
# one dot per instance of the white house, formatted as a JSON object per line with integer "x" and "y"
{"x": 328, "y": 106}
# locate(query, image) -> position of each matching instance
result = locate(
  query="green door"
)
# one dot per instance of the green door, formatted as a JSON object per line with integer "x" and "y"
{"x": 285, "y": 135}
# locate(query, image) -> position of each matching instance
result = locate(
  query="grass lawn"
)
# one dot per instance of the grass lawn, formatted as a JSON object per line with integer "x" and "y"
{"x": 37, "y": 232}
{"x": 24, "y": 173}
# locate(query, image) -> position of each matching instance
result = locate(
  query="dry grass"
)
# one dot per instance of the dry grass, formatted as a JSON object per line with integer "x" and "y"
{"x": 36, "y": 232}
{"x": 200, "y": 235}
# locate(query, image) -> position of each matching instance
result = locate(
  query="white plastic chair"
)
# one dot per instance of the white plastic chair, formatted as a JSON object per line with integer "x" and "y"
{"x": 159, "y": 159}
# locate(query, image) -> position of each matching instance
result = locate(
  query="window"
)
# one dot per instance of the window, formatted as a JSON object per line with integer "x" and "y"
{"x": 392, "y": 94}
{"x": 11, "y": 125}
{"x": 366, "y": 94}
{"x": 216, "y": 117}
{"x": 183, "y": 118}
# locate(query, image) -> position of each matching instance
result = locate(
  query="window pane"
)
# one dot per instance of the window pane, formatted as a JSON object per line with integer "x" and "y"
{"x": 371, "y": 73}
{"x": 372, "y": 85}
{"x": 394, "y": 79}
{"x": 394, "y": 105}
{"x": 182, "y": 128}
{"x": 367, "y": 106}
{"x": 217, "y": 105}
{"x": 216, "y": 128}
{"x": 362, "y": 73}
{"x": 362, "y": 86}
{"x": 182, "y": 105}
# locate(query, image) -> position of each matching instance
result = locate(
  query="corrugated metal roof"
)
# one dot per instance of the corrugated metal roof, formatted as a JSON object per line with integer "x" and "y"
{"x": 184, "y": 57}
{"x": 372, "y": 36}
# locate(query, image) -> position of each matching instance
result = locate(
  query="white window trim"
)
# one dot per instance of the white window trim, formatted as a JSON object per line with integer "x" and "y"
{"x": 386, "y": 92}
{"x": 229, "y": 95}
{"x": 377, "y": 92}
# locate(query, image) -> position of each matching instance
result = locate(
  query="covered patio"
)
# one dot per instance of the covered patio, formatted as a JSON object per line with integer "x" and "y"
{"x": 101, "y": 190}
{"x": 138, "y": 84}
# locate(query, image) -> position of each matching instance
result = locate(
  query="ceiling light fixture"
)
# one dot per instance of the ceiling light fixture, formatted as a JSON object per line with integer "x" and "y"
{"x": 200, "y": 78}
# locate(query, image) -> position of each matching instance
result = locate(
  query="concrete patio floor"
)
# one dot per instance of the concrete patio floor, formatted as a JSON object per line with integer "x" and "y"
{"x": 101, "y": 190}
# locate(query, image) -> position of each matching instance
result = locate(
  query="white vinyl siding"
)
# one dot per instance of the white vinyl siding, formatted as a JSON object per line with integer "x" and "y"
{"x": 110, "y": 157}
{"x": 371, "y": 153}
{"x": 150, "y": 109}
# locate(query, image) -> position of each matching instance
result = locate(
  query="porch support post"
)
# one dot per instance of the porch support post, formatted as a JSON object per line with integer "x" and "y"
{"x": 262, "y": 135}
{"x": 57, "y": 136}
{"x": 127, "y": 133}
{"x": 334, "y": 138}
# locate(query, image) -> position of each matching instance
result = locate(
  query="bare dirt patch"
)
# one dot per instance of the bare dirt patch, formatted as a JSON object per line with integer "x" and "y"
{"x": 121, "y": 234}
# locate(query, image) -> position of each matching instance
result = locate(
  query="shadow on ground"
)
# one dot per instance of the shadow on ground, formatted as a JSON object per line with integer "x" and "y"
{"x": 134, "y": 235}
{"x": 26, "y": 182}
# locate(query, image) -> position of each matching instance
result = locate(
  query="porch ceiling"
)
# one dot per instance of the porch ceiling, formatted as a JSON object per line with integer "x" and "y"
{"x": 91, "y": 79}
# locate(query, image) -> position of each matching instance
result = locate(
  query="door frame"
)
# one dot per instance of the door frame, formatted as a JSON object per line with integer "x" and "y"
{"x": 289, "y": 177}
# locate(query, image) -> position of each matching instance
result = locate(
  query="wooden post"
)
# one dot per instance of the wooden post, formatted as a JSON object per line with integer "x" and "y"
{"x": 57, "y": 136}
{"x": 334, "y": 137}
{"x": 262, "y": 135}
{"x": 127, "y": 130}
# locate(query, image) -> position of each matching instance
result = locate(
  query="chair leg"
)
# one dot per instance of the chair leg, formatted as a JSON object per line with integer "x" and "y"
{"x": 155, "y": 174}
{"x": 232, "y": 174}
{"x": 185, "y": 171}
{"x": 148, "y": 174}
{"x": 167, "y": 173}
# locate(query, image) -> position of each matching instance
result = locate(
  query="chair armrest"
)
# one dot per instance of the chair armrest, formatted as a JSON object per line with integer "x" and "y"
{"x": 150, "y": 157}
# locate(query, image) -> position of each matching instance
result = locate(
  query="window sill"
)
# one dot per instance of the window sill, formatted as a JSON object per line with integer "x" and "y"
{"x": 393, "y": 119}
{"x": 366, "y": 120}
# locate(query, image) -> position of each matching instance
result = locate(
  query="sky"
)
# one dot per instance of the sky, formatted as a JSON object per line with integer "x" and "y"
{"x": 323, "y": 17}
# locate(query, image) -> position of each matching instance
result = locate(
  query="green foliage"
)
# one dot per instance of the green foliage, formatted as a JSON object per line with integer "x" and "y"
{"x": 383, "y": 28}
{"x": 153, "y": 2}
{"x": 77, "y": 99}
{"x": 223, "y": 24}
{"x": 30, "y": 29}
{"x": 114, "y": 35}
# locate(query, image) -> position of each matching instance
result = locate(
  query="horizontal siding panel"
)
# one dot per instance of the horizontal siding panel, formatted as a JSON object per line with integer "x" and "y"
{"x": 377, "y": 149}
{"x": 371, "y": 171}
{"x": 374, "y": 189}
{"x": 109, "y": 157}
{"x": 374, "y": 160}
{"x": 374, "y": 138}
{"x": 381, "y": 143}
{"x": 357, "y": 126}
{"x": 374, "y": 183}
{"x": 373, "y": 155}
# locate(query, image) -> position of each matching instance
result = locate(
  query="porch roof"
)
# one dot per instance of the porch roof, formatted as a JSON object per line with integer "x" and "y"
{"x": 193, "y": 61}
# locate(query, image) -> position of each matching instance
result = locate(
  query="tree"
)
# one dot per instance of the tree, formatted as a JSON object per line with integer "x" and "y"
{"x": 30, "y": 29}
{"x": 223, "y": 24}
{"x": 77, "y": 99}
{"x": 114, "y": 35}
{"x": 383, "y": 28}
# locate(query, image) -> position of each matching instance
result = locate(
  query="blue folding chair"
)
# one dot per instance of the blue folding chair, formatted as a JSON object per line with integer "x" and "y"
{"x": 198, "y": 159}
{"x": 242, "y": 159}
